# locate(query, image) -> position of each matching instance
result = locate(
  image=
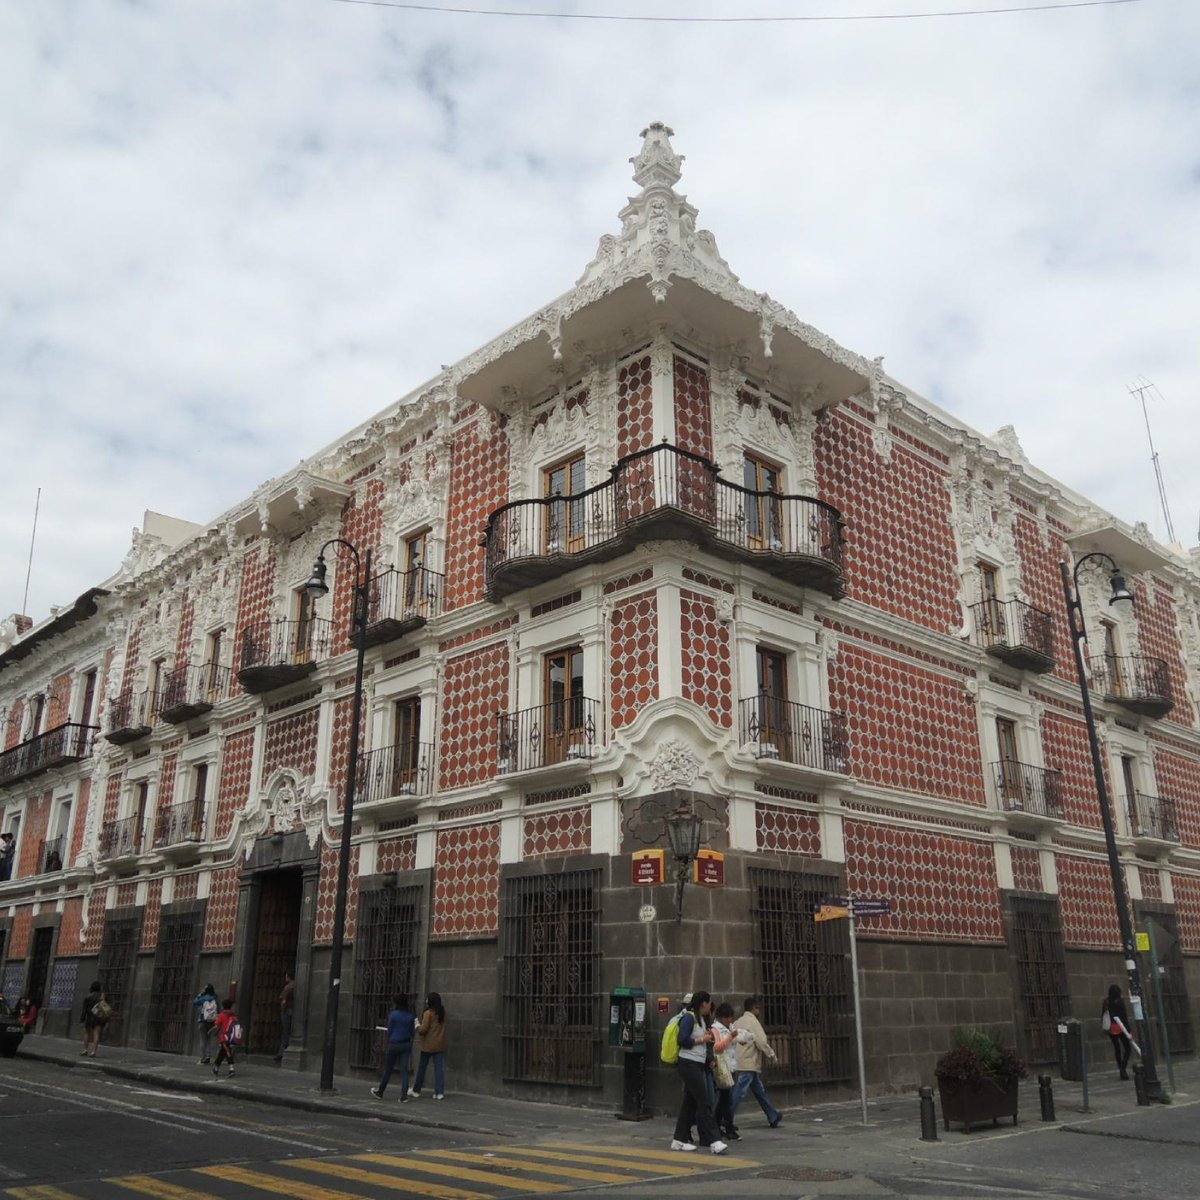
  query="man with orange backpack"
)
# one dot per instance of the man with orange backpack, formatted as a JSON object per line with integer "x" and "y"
{"x": 229, "y": 1036}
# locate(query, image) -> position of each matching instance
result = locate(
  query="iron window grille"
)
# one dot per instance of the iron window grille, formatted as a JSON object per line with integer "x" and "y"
{"x": 114, "y": 969}
{"x": 171, "y": 1013}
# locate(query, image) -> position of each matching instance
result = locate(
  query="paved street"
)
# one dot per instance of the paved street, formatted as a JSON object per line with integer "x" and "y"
{"x": 132, "y": 1123}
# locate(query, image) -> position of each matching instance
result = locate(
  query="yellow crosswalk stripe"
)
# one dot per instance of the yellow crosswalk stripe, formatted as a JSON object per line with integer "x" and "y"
{"x": 42, "y": 1191}
{"x": 524, "y": 1164}
{"x": 672, "y": 1156}
{"x": 149, "y": 1186}
{"x": 440, "y": 1191}
{"x": 494, "y": 1178}
{"x": 680, "y": 1167}
{"x": 272, "y": 1183}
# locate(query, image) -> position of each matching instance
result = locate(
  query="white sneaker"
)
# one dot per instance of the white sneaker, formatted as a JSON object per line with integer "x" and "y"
{"x": 676, "y": 1144}
{"x": 414, "y": 1095}
{"x": 439, "y": 1095}
{"x": 718, "y": 1147}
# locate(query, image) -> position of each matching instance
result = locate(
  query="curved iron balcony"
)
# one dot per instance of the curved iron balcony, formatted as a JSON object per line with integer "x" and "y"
{"x": 179, "y": 825}
{"x": 392, "y": 772}
{"x": 128, "y": 718}
{"x": 1016, "y": 633}
{"x": 1021, "y": 788}
{"x": 1152, "y": 817}
{"x": 663, "y": 493}
{"x": 795, "y": 733}
{"x": 192, "y": 691}
{"x": 66, "y": 743}
{"x": 275, "y": 653}
{"x": 121, "y": 838}
{"x": 560, "y": 731}
{"x": 50, "y": 855}
{"x": 1138, "y": 684}
{"x": 399, "y": 602}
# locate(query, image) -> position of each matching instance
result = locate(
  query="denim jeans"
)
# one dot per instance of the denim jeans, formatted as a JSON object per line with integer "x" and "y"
{"x": 285, "y": 1031}
{"x": 403, "y": 1052}
{"x": 439, "y": 1077}
{"x": 697, "y": 1104}
{"x": 751, "y": 1081}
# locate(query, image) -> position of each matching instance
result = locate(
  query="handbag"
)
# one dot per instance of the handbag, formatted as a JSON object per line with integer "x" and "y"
{"x": 102, "y": 1010}
{"x": 722, "y": 1075}
{"x": 1106, "y": 1021}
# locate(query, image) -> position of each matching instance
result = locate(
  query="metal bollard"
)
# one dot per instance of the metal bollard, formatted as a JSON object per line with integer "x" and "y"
{"x": 928, "y": 1116}
{"x": 1046, "y": 1097}
{"x": 1139, "y": 1084}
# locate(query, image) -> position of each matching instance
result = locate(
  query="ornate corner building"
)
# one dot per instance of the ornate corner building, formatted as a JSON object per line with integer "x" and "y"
{"x": 661, "y": 544}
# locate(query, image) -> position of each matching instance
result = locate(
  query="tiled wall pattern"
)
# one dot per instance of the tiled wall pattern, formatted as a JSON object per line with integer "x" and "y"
{"x": 1039, "y": 550}
{"x": 900, "y": 554}
{"x": 558, "y": 834}
{"x": 81, "y": 820}
{"x": 1026, "y": 869}
{"x": 18, "y": 942}
{"x": 221, "y": 915}
{"x": 1178, "y": 778}
{"x": 396, "y": 854}
{"x": 186, "y": 886}
{"x": 1187, "y": 907}
{"x": 126, "y": 894}
{"x": 941, "y": 887}
{"x": 478, "y": 486}
{"x": 256, "y": 598}
{"x": 693, "y": 412}
{"x": 1089, "y": 913}
{"x": 183, "y": 640}
{"x": 237, "y": 760}
{"x": 339, "y": 753}
{"x": 1151, "y": 883}
{"x": 475, "y": 692}
{"x": 166, "y": 784}
{"x": 635, "y": 414}
{"x": 362, "y": 527}
{"x": 1158, "y": 632}
{"x": 94, "y": 934}
{"x": 133, "y": 651}
{"x": 787, "y": 831}
{"x": 1065, "y": 746}
{"x": 37, "y": 817}
{"x": 70, "y": 927}
{"x": 112, "y": 796}
{"x": 58, "y": 707}
{"x": 292, "y": 742}
{"x": 327, "y": 894}
{"x": 466, "y": 889}
{"x": 909, "y": 727}
{"x": 16, "y": 723}
{"x": 707, "y": 669}
{"x": 633, "y": 667}
{"x": 152, "y": 914}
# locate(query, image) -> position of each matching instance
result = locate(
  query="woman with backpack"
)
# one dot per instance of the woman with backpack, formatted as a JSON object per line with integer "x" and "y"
{"x": 695, "y": 1037}
{"x": 229, "y": 1037}
{"x": 207, "y": 1009}
{"x": 432, "y": 1032}
{"x": 96, "y": 1011}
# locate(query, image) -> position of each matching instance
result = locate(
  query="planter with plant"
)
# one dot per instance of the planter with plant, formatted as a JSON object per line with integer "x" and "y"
{"x": 977, "y": 1079}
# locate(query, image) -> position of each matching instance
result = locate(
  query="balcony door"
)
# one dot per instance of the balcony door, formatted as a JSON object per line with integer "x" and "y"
{"x": 1131, "y": 797}
{"x": 563, "y": 708}
{"x": 305, "y": 612}
{"x": 774, "y": 716}
{"x": 991, "y": 609}
{"x": 1112, "y": 660}
{"x": 565, "y": 518}
{"x": 764, "y": 515}
{"x": 414, "y": 573}
{"x": 406, "y": 747}
{"x": 1010, "y": 763}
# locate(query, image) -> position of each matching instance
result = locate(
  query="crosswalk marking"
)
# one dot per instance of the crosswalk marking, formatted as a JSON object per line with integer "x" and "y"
{"x": 494, "y": 1178}
{"x": 680, "y": 1167}
{"x": 357, "y": 1175}
{"x": 272, "y": 1183}
{"x": 523, "y": 1164}
{"x": 670, "y": 1156}
{"x": 42, "y": 1191}
{"x": 149, "y": 1186}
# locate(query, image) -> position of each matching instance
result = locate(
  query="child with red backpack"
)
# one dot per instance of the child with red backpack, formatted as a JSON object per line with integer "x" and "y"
{"x": 229, "y": 1036}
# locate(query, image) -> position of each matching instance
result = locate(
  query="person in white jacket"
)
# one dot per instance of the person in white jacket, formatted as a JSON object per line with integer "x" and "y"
{"x": 750, "y": 1055}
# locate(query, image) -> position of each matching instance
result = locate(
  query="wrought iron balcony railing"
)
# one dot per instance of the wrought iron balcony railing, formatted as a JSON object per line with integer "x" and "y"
{"x": 50, "y": 856}
{"x": 1152, "y": 817}
{"x": 192, "y": 691}
{"x": 275, "y": 653}
{"x": 121, "y": 838}
{"x": 393, "y": 771}
{"x": 179, "y": 824}
{"x": 1136, "y": 683}
{"x": 663, "y": 492}
{"x": 1016, "y": 633}
{"x": 128, "y": 718}
{"x": 66, "y": 743}
{"x": 1023, "y": 788}
{"x": 795, "y": 733}
{"x": 557, "y": 732}
{"x": 400, "y": 601}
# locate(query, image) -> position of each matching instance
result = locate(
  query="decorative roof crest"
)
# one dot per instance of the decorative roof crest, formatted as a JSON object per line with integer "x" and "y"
{"x": 657, "y": 164}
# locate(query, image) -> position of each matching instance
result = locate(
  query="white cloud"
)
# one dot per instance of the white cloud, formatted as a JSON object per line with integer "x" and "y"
{"x": 231, "y": 232}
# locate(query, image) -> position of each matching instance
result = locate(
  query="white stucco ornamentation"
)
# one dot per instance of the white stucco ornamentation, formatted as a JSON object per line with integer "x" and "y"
{"x": 674, "y": 765}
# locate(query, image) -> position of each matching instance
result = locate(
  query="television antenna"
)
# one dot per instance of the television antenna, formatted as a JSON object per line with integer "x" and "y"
{"x": 1141, "y": 389}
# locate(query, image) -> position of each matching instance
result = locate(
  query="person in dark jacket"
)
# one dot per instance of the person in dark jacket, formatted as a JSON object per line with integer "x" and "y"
{"x": 695, "y": 1072}
{"x": 1117, "y": 1027}
{"x": 400, "y": 1026}
{"x": 93, "y": 1024}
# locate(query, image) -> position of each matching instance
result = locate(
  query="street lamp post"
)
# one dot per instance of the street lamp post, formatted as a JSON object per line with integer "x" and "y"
{"x": 1120, "y": 593}
{"x": 316, "y": 588}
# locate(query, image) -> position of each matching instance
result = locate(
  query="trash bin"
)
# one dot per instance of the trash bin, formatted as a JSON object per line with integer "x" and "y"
{"x": 1070, "y": 1048}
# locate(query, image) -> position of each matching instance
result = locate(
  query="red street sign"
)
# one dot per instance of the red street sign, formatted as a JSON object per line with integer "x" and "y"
{"x": 709, "y": 870}
{"x": 647, "y": 868}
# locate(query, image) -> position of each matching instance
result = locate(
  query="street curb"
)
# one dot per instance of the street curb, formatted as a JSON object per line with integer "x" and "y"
{"x": 171, "y": 1083}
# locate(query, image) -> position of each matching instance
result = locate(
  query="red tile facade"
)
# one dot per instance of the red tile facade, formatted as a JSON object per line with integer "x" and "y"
{"x": 1187, "y": 904}
{"x": 1065, "y": 746}
{"x": 236, "y": 762}
{"x": 1085, "y": 896}
{"x": 94, "y": 933}
{"x": 22, "y": 925}
{"x": 476, "y": 693}
{"x": 707, "y": 668}
{"x": 152, "y": 914}
{"x": 362, "y": 527}
{"x": 558, "y": 834}
{"x": 635, "y": 410}
{"x": 1178, "y": 778}
{"x": 478, "y": 486}
{"x": 466, "y": 887}
{"x": 396, "y": 854}
{"x": 1026, "y": 869}
{"x": 70, "y": 928}
{"x": 327, "y": 894}
{"x": 1040, "y": 550}
{"x": 787, "y": 830}
{"x": 187, "y": 886}
{"x": 291, "y": 742}
{"x": 1151, "y": 883}
{"x": 633, "y": 667}
{"x": 221, "y": 915}
{"x": 1158, "y": 631}
{"x": 693, "y": 412}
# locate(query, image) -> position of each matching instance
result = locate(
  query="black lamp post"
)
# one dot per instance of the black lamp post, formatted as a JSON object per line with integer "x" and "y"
{"x": 316, "y": 588}
{"x": 683, "y": 830}
{"x": 1120, "y": 593}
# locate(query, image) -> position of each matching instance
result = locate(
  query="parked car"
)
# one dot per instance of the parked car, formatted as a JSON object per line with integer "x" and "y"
{"x": 11, "y": 1033}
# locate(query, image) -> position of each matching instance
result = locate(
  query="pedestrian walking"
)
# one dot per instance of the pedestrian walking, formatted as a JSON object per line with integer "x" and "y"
{"x": 401, "y": 1024}
{"x": 725, "y": 1069}
{"x": 27, "y": 1013}
{"x": 229, "y": 1037}
{"x": 750, "y": 1055}
{"x": 695, "y": 1068}
{"x": 432, "y": 1032}
{"x": 207, "y": 1008}
{"x": 95, "y": 1015}
{"x": 1114, "y": 1020}
{"x": 287, "y": 999}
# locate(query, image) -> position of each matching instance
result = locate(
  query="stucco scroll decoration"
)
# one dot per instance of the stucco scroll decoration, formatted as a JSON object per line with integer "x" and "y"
{"x": 674, "y": 764}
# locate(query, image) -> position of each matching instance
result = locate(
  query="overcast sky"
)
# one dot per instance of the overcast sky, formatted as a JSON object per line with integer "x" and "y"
{"x": 230, "y": 230}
